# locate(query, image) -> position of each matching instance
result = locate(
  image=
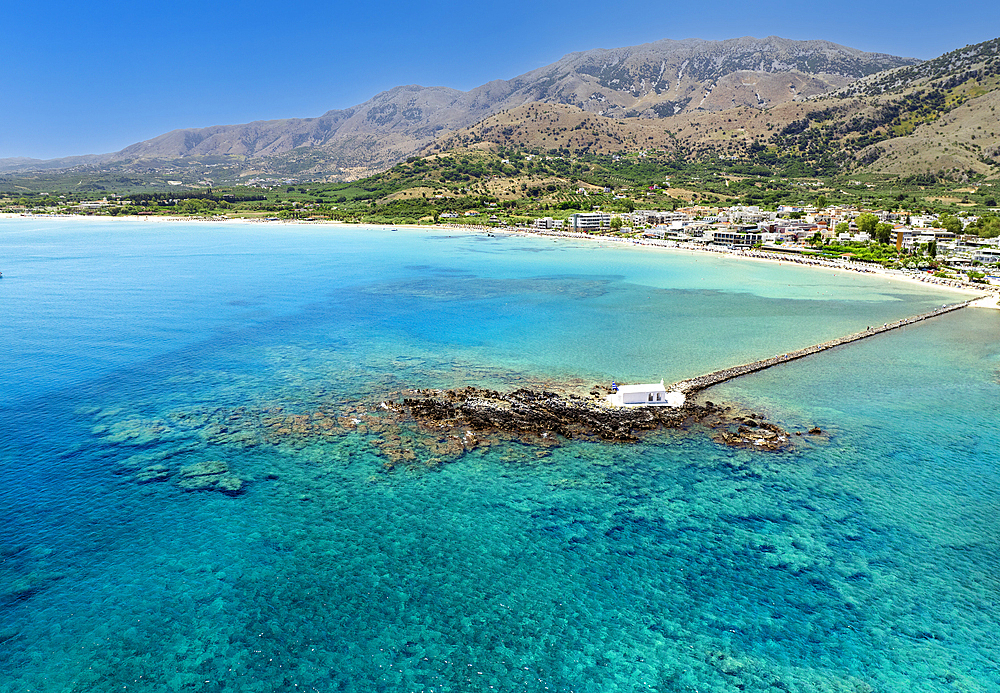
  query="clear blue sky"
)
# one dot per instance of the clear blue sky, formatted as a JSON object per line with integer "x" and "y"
{"x": 83, "y": 78}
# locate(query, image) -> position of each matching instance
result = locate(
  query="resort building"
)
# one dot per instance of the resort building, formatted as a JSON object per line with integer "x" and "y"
{"x": 548, "y": 223}
{"x": 903, "y": 238}
{"x": 746, "y": 215}
{"x": 657, "y": 218}
{"x": 987, "y": 256}
{"x": 589, "y": 221}
{"x": 735, "y": 237}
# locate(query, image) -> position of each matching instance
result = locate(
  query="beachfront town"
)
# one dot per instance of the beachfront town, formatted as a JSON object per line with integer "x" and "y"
{"x": 799, "y": 231}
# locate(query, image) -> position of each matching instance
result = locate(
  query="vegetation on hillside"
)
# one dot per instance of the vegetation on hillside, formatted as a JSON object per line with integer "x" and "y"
{"x": 517, "y": 185}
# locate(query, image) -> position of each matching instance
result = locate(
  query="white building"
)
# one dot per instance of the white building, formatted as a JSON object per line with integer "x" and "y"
{"x": 922, "y": 222}
{"x": 589, "y": 221}
{"x": 548, "y": 223}
{"x": 648, "y": 395}
{"x": 746, "y": 215}
{"x": 734, "y": 238}
{"x": 935, "y": 235}
{"x": 656, "y": 218}
{"x": 860, "y": 237}
{"x": 987, "y": 256}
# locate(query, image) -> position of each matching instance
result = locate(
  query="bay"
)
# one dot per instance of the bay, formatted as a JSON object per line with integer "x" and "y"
{"x": 865, "y": 559}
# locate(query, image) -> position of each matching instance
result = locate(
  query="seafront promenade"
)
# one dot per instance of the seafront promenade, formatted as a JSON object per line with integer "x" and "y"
{"x": 694, "y": 385}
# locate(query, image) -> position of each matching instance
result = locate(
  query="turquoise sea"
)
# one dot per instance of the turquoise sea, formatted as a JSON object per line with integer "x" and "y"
{"x": 866, "y": 559}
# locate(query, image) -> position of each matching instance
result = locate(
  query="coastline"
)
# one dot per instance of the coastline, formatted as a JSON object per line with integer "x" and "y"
{"x": 988, "y": 296}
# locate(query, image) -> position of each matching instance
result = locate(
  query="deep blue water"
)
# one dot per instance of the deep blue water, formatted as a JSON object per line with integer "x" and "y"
{"x": 866, "y": 559}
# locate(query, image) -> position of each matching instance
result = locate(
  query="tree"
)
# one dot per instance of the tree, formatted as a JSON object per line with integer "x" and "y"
{"x": 883, "y": 232}
{"x": 821, "y": 202}
{"x": 987, "y": 226}
{"x": 194, "y": 206}
{"x": 932, "y": 248}
{"x": 867, "y": 223}
{"x": 949, "y": 223}
{"x": 842, "y": 227}
{"x": 616, "y": 224}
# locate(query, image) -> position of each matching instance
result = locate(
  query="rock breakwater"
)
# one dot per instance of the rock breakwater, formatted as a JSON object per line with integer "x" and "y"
{"x": 691, "y": 386}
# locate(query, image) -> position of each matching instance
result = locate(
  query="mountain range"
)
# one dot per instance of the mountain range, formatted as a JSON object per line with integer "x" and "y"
{"x": 694, "y": 96}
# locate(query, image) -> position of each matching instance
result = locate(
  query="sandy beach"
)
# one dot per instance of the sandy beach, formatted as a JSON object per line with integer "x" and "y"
{"x": 990, "y": 295}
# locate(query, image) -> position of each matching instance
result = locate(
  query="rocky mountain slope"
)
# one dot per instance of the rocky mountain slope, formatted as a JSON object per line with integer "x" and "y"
{"x": 669, "y": 77}
{"x": 939, "y": 117}
{"x": 959, "y": 132}
{"x": 651, "y": 81}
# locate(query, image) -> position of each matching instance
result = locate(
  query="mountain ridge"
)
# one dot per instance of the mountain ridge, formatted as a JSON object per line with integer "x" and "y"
{"x": 648, "y": 81}
{"x": 938, "y": 117}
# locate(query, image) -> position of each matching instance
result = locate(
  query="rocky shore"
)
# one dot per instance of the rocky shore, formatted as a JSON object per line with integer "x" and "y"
{"x": 546, "y": 416}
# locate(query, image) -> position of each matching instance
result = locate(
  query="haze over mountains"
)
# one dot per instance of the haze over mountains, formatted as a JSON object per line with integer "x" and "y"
{"x": 667, "y": 93}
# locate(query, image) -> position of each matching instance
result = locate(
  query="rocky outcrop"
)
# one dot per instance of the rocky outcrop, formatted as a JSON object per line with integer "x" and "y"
{"x": 527, "y": 411}
{"x": 548, "y": 416}
{"x": 426, "y": 428}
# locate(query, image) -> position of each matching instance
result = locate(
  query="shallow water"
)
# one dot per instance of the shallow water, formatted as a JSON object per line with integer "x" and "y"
{"x": 866, "y": 559}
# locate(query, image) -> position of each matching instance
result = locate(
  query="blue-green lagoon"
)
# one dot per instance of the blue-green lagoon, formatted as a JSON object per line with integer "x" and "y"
{"x": 867, "y": 559}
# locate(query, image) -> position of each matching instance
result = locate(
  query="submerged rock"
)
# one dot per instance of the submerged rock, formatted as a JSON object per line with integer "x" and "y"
{"x": 206, "y": 468}
{"x": 154, "y": 472}
{"x": 135, "y": 432}
{"x": 230, "y": 484}
{"x": 26, "y": 586}
{"x": 210, "y": 475}
{"x": 198, "y": 483}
